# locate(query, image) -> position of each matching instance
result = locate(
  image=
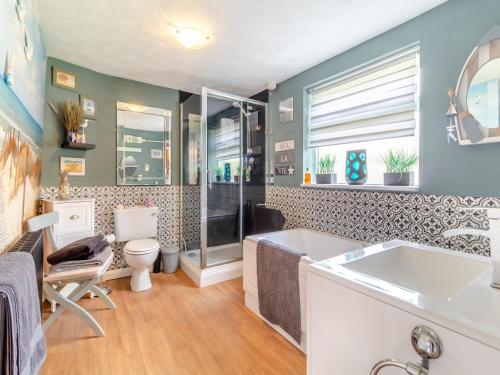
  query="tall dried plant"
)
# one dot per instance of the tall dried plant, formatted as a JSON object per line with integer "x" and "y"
{"x": 72, "y": 115}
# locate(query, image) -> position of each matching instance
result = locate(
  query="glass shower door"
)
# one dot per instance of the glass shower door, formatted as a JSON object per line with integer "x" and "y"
{"x": 221, "y": 186}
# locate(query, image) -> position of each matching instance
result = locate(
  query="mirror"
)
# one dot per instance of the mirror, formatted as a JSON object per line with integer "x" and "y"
{"x": 143, "y": 145}
{"x": 483, "y": 96}
{"x": 477, "y": 99}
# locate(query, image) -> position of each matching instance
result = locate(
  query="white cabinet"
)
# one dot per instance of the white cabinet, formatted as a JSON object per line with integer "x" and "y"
{"x": 348, "y": 332}
{"x": 76, "y": 219}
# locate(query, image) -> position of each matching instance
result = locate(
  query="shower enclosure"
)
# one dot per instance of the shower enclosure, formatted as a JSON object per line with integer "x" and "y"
{"x": 223, "y": 178}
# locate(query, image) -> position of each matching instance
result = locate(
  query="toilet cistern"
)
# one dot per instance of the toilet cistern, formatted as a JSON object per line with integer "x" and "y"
{"x": 493, "y": 233}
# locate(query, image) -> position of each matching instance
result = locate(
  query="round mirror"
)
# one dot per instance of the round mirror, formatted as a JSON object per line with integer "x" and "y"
{"x": 483, "y": 95}
{"x": 128, "y": 165}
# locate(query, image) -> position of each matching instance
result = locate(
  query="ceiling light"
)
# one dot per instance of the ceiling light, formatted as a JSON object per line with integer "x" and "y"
{"x": 191, "y": 38}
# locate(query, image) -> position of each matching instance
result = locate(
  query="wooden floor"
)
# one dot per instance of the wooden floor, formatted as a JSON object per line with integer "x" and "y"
{"x": 174, "y": 328}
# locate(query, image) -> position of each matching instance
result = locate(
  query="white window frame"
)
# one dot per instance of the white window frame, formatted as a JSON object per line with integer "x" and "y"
{"x": 309, "y": 153}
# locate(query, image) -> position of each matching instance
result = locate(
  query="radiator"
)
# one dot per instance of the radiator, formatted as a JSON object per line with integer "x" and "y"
{"x": 30, "y": 243}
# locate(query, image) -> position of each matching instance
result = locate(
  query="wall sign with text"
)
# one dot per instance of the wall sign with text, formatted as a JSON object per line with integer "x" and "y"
{"x": 284, "y": 146}
{"x": 284, "y": 170}
{"x": 284, "y": 157}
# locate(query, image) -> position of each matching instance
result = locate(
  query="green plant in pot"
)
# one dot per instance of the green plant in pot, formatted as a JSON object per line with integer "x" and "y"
{"x": 237, "y": 175}
{"x": 218, "y": 174}
{"x": 325, "y": 170}
{"x": 399, "y": 165}
{"x": 72, "y": 116}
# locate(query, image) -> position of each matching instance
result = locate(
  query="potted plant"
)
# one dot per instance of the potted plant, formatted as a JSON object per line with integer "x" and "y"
{"x": 325, "y": 173}
{"x": 237, "y": 175}
{"x": 218, "y": 174}
{"x": 398, "y": 164}
{"x": 72, "y": 115}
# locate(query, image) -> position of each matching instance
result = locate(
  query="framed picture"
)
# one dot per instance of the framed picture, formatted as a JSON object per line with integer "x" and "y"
{"x": 89, "y": 107}
{"x": 64, "y": 79}
{"x": 156, "y": 153}
{"x": 74, "y": 166}
{"x": 286, "y": 110}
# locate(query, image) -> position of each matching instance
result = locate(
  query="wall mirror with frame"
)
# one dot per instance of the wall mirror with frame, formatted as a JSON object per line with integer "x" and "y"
{"x": 478, "y": 93}
{"x": 143, "y": 145}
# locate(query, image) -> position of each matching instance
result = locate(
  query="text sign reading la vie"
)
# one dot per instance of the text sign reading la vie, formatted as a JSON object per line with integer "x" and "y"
{"x": 284, "y": 146}
{"x": 284, "y": 157}
{"x": 284, "y": 170}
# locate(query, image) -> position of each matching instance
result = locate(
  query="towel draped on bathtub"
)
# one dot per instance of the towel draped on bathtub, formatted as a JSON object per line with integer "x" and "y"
{"x": 278, "y": 286}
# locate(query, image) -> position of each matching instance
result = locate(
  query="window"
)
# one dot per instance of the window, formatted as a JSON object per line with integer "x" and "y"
{"x": 373, "y": 108}
{"x": 227, "y": 145}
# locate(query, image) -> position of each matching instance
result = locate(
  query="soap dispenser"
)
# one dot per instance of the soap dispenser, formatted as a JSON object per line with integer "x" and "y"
{"x": 307, "y": 177}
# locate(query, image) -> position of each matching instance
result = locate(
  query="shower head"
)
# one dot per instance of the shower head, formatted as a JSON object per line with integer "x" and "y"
{"x": 238, "y": 105}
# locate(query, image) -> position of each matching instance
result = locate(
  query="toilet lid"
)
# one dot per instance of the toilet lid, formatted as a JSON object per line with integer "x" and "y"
{"x": 143, "y": 246}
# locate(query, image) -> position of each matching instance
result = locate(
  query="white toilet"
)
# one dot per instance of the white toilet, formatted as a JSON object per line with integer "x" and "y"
{"x": 137, "y": 225}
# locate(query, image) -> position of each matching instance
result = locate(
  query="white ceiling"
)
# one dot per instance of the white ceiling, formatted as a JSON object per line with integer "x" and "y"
{"x": 254, "y": 42}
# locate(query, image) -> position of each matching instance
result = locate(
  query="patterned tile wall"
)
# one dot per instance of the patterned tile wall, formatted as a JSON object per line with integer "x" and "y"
{"x": 383, "y": 216}
{"x": 361, "y": 215}
{"x": 108, "y": 197}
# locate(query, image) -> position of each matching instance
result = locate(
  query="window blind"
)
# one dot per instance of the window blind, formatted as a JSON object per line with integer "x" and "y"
{"x": 227, "y": 139}
{"x": 376, "y": 102}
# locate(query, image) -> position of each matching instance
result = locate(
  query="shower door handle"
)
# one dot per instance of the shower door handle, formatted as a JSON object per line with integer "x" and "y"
{"x": 209, "y": 178}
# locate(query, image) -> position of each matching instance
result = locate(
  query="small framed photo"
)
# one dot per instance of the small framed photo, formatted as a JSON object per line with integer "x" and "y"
{"x": 89, "y": 107}
{"x": 74, "y": 166}
{"x": 64, "y": 79}
{"x": 156, "y": 153}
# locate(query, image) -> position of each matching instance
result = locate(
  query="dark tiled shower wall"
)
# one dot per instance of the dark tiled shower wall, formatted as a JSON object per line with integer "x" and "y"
{"x": 108, "y": 197}
{"x": 383, "y": 216}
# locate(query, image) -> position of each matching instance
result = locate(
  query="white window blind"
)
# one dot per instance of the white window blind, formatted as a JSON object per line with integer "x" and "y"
{"x": 376, "y": 102}
{"x": 227, "y": 139}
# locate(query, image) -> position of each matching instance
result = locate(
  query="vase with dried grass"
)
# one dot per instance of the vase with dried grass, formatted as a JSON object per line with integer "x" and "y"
{"x": 72, "y": 115}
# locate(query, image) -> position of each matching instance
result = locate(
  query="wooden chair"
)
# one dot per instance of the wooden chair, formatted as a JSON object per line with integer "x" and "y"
{"x": 85, "y": 277}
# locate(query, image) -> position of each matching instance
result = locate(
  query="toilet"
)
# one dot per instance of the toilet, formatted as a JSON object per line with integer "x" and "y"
{"x": 138, "y": 225}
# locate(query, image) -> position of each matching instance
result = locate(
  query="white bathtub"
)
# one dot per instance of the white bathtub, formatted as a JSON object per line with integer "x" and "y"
{"x": 318, "y": 246}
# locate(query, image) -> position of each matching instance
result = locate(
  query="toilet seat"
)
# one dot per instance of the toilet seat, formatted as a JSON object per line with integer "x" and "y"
{"x": 142, "y": 246}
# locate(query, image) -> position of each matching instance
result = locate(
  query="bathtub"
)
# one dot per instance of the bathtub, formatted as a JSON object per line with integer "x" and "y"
{"x": 318, "y": 246}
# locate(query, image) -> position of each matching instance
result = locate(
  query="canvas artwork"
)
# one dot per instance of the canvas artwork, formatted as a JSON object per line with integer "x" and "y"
{"x": 21, "y": 119}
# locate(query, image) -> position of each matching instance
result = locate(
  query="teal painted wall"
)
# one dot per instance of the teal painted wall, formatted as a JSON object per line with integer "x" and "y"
{"x": 101, "y": 162}
{"x": 447, "y": 35}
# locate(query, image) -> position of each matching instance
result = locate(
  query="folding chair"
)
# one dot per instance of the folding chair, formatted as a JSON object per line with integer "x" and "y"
{"x": 85, "y": 277}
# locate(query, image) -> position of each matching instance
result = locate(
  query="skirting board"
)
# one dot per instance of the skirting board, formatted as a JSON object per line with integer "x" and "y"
{"x": 211, "y": 275}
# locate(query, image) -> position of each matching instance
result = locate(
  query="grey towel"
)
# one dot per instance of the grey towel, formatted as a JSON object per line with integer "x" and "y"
{"x": 79, "y": 264}
{"x": 278, "y": 286}
{"x": 26, "y": 345}
{"x": 82, "y": 249}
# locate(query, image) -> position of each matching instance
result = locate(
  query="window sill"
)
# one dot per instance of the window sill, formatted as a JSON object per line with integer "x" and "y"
{"x": 411, "y": 189}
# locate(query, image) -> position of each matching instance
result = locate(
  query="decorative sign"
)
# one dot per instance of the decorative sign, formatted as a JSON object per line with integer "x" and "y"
{"x": 284, "y": 157}
{"x": 284, "y": 146}
{"x": 284, "y": 170}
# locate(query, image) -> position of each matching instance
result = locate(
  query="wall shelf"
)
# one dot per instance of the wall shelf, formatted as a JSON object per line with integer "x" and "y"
{"x": 78, "y": 146}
